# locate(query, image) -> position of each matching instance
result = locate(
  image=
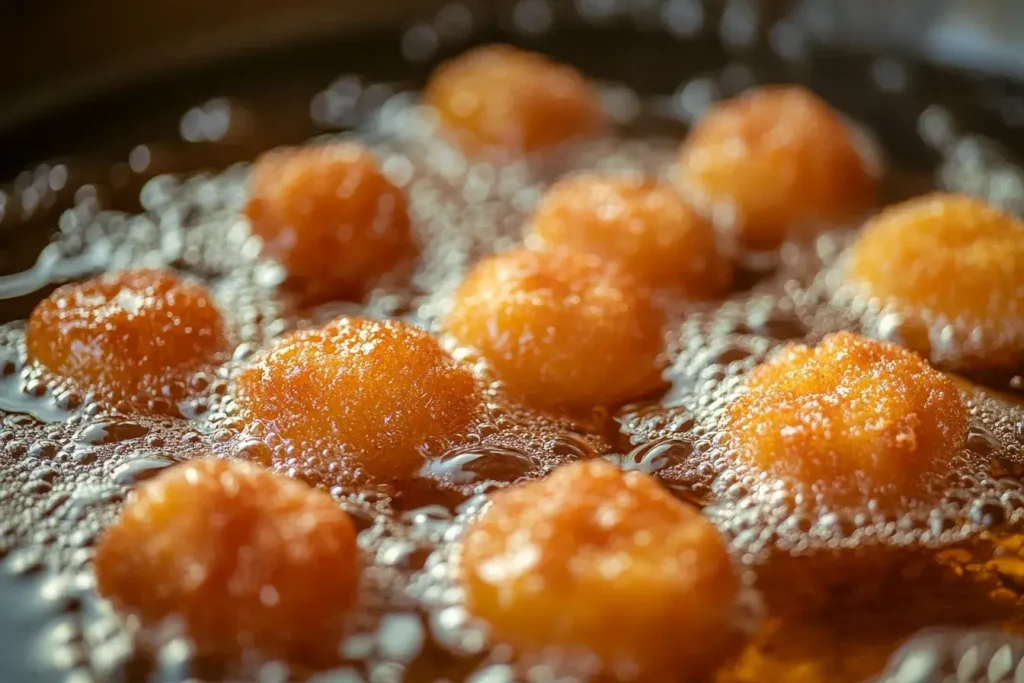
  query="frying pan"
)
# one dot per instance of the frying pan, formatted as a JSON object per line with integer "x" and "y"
{"x": 87, "y": 84}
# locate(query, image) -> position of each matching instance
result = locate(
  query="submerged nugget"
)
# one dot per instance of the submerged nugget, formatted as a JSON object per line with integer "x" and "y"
{"x": 370, "y": 391}
{"x": 781, "y": 161}
{"x": 597, "y": 561}
{"x": 128, "y": 336}
{"x": 245, "y": 558}
{"x": 329, "y": 216}
{"x": 561, "y": 328}
{"x": 640, "y": 223}
{"x": 947, "y": 263}
{"x": 851, "y": 419}
{"x": 500, "y": 97}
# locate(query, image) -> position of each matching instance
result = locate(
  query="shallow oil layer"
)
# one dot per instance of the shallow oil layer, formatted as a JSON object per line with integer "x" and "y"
{"x": 66, "y": 463}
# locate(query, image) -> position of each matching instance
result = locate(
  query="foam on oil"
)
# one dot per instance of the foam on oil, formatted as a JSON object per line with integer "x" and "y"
{"x": 68, "y": 461}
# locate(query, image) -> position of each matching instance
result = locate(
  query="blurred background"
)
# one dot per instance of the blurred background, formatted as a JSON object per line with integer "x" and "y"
{"x": 61, "y": 51}
{"x": 109, "y": 93}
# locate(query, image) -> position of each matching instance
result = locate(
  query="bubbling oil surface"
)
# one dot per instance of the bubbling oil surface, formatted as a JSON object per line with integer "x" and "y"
{"x": 67, "y": 461}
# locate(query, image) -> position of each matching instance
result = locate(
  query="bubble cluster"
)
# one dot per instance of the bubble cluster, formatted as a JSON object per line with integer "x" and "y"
{"x": 807, "y": 545}
{"x": 951, "y": 654}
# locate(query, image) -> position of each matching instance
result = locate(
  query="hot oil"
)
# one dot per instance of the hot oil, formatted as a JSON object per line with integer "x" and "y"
{"x": 67, "y": 462}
